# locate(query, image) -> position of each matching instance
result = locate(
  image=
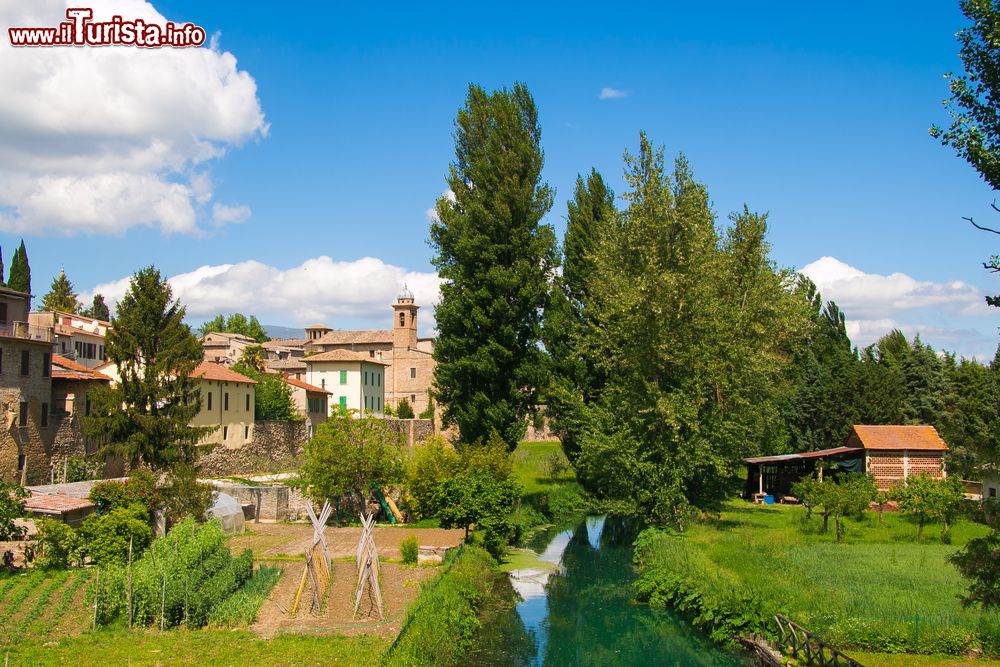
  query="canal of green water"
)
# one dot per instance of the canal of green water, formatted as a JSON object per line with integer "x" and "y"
{"x": 573, "y": 605}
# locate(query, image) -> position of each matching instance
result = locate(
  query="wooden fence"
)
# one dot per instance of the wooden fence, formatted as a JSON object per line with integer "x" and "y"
{"x": 807, "y": 648}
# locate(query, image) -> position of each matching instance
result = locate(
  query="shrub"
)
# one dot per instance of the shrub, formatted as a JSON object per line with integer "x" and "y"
{"x": 79, "y": 468}
{"x": 61, "y": 545}
{"x": 410, "y": 550}
{"x": 11, "y": 507}
{"x": 428, "y": 412}
{"x": 433, "y": 461}
{"x": 241, "y": 607}
{"x": 139, "y": 489}
{"x": 404, "y": 410}
{"x": 185, "y": 496}
{"x": 219, "y": 586}
{"x": 108, "y": 535}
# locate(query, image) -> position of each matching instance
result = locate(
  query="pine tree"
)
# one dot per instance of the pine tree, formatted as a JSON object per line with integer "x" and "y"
{"x": 496, "y": 260}
{"x": 61, "y": 296}
{"x": 98, "y": 309}
{"x": 20, "y": 271}
{"x": 146, "y": 417}
{"x": 1, "y": 268}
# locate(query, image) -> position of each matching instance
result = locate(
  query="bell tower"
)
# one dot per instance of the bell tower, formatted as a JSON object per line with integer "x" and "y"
{"x": 404, "y": 320}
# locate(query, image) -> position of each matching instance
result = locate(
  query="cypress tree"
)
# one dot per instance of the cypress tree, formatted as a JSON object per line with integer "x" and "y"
{"x": 496, "y": 259}
{"x": 146, "y": 417}
{"x": 1, "y": 268}
{"x": 98, "y": 309}
{"x": 20, "y": 271}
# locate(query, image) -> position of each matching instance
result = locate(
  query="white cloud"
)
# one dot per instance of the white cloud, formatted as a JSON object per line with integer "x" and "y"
{"x": 612, "y": 94}
{"x": 222, "y": 214}
{"x": 341, "y": 294}
{"x": 945, "y": 314}
{"x": 873, "y": 295}
{"x": 431, "y": 213}
{"x": 98, "y": 140}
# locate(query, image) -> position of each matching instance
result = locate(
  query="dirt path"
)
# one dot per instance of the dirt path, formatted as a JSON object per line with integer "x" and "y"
{"x": 283, "y": 539}
{"x": 400, "y": 587}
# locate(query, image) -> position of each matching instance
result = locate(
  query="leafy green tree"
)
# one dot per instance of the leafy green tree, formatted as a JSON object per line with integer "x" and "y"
{"x": 253, "y": 357}
{"x": 433, "y": 461}
{"x": 483, "y": 493}
{"x": 927, "y": 499}
{"x": 145, "y": 418}
{"x": 977, "y": 561}
{"x": 20, "y": 271}
{"x": 974, "y": 133}
{"x": 403, "y": 410}
{"x": 61, "y": 546}
{"x": 496, "y": 260}
{"x": 237, "y": 323}
{"x": 272, "y": 395}
{"x": 184, "y": 496}
{"x": 108, "y": 535}
{"x": 574, "y": 380}
{"x": 428, "y": 412}
{"x": 217, "y": 323}
{"x": 692, "y": 330}
{"x": 12, "y": 497}
{"x": 98, "y": 309}
{"x": 348, "y": 456}
{"x": 61, "y": 296}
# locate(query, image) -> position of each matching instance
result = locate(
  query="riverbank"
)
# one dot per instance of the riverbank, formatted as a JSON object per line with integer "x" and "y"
{"x": 880, "y": 591}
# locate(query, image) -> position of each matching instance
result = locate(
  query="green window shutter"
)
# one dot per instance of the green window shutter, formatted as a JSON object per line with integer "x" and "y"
{"x": 343, "y": 377}
{"x": 343, "y": 402}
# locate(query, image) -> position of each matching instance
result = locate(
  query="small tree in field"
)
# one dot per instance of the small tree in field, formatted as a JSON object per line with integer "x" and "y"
{"x": 928, "y": 499}
{"x": 347, "y": 456}
{"x": 404, "y": 410}
{"x": 11, "y": 507}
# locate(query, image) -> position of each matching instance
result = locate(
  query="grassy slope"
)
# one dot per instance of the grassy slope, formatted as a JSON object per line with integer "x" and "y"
{"x": 532, "y": 467}
{"x": 880, "y": 574}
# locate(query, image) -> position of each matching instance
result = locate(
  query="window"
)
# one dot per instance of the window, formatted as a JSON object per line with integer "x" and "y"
{"x": 22, "y": 415}
{"x": 3, "y": 313}
{"x": 1, "y": 360}
{"x": 100, "y": 352}
{"x": 402, "y": 319}
{"x": 22, "y": 461}
{"x": 86, "y": 407}
{"x": 45, "y": 414}
{"x": 225, "y": 401}
{"x": 24, "y": 362}
{"x": 366, "y": 378}
{"x": 366, "y": 402}
{"x": 322, "y": 383}
{"x": 413, "y": 399}
{"x": 371, "y": 353}
{"x": 246, "y": 432}
{"x": 413, "y": 373}
{"x": 225, "y": 432}
{"x": 209, "y": 400}
{"x": 46, "y": 364}
{"x": 380, "y": 404}
{"x": 343, "y": 402}
{"x": 993, "y": 492}
{"x": 248, "y": 403}
{"x": 343, "y": 377}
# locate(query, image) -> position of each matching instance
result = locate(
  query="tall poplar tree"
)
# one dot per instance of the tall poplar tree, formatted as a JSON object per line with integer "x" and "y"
{"x": 574, "y": 380}
{"x": 146, "y": 417}
{"x": 496, "y": 260}
{"x": 61, "y": 296}
{"x": 20, "y": 271}
{"x": 693, "y": 329}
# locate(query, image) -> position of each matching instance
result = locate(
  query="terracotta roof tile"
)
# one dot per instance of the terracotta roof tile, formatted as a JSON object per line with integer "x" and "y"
{"x": 67, "y": 369}
{"x": 206, "y": 370}
{"x": 343, "y": 355}
{"x": 899, "y": 437}
{"x": 343, "y": 337}
{"x": 55, "y": 502}
{"x": 305, "y": 385}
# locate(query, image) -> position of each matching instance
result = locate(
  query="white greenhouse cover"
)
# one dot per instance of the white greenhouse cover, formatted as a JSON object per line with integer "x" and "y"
{"x": 228, "y": 511}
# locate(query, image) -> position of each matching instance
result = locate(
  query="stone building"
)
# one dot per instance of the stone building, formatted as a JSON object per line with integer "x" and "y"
{"x": 284, "y": 356}
{"x": 409, "y": 361}
{"x": 72, "y": 384}
{"x": 25, "y": 392}
{"x": 225, "y": 348}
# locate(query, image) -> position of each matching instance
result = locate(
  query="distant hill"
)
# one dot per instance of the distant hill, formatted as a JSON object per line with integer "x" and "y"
{"x": 274, "y": 331}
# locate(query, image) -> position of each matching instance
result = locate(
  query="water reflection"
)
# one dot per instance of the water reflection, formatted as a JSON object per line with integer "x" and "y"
{"x": 582, "y": 612}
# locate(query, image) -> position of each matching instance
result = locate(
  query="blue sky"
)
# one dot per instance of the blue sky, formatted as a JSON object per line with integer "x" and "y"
{"x": 816, "y": 113}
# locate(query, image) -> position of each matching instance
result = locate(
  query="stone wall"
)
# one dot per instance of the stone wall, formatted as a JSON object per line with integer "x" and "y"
{"x": 270, "y": 502}
{"x": 275, "y": 446}
{"x": 413, "y": 430}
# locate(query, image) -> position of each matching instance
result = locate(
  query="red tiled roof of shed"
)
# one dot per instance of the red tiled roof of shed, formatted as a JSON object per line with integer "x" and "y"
{"x": 897, "y": 437}
{"x": 206, "y": 370}
{"x": 55, "y": 502}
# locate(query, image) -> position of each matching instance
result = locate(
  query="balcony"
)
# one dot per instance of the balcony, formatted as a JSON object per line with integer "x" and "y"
{"x": 25, "y": 331}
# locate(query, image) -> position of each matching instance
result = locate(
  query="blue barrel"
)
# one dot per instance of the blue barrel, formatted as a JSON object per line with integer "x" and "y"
{"x": 768, "y": 499}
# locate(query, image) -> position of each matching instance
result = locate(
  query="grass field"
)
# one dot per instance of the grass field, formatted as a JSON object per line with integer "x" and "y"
{"x": 542, "y": 467}
{"x": 879, "y": 590}
{"x": 235, "y": 648}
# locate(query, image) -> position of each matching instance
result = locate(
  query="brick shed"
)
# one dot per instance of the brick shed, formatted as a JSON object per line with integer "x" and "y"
{"x": 894, "y": 453}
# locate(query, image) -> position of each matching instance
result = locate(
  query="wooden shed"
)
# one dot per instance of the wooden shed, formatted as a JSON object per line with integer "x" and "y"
{"x": 56, "y": 506}
{"x": 895, "y": 453}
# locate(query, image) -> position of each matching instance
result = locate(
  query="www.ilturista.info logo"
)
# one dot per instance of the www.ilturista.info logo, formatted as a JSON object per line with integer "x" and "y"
{"x": 80, "y": 30}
